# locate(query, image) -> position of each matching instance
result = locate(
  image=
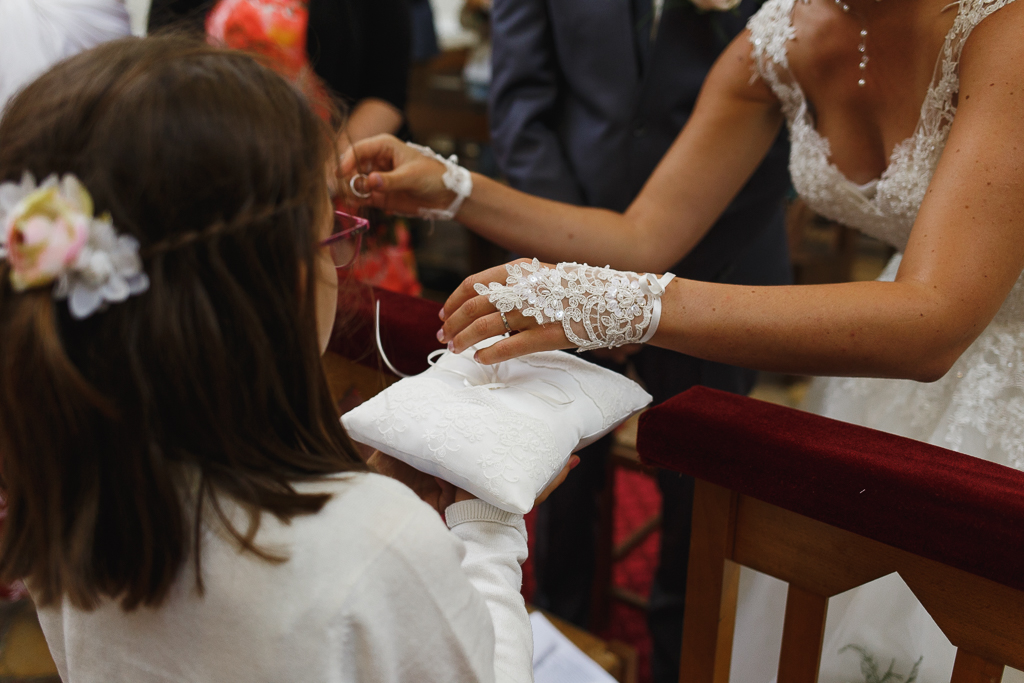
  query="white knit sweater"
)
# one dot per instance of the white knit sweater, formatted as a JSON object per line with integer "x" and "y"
{"x": 375, "y": 589}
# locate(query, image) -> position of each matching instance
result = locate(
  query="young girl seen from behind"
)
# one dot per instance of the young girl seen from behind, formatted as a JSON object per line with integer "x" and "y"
{"x": 182, "y": 501}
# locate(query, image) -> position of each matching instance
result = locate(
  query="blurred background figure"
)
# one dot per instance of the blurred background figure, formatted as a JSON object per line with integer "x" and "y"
{"x": 357, "y": 51}
{"x": 585, "y": 99}
{"x": 35, "y": 34}
{"x": 359, "y": 48}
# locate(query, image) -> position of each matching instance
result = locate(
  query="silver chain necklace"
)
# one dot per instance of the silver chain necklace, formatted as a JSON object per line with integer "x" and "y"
{"x": 862, "y": 48}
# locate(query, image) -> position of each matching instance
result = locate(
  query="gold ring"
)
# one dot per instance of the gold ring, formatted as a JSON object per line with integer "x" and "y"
{"x": 352, "y": 185}
{"x": 505, "y": 320}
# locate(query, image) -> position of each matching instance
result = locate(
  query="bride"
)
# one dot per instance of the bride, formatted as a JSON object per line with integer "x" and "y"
{"x": 907, "y": 121}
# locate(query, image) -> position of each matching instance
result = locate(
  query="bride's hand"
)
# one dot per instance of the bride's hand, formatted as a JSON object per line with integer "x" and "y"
{"x": 470, "y": 318}
{"x": 397, "y": 178}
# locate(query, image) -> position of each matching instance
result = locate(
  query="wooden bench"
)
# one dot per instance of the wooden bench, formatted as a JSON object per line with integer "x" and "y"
{"x": 828, "y": 506}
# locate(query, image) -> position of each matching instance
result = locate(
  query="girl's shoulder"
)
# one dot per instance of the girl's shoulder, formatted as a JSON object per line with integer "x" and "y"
{"x": 371, "y": 503}
{"x": 361, "y": 485}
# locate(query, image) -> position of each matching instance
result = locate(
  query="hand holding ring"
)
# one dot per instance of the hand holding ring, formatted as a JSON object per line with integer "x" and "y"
{"x": 352, "y": 185}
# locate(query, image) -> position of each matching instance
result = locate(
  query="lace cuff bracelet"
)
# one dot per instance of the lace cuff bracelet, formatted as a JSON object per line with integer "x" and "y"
{"x": 597, "y": 307}
{"x": 455, "y": 178}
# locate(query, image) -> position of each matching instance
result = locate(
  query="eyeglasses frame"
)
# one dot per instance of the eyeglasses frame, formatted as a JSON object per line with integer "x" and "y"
{"x": 362, "y": 225}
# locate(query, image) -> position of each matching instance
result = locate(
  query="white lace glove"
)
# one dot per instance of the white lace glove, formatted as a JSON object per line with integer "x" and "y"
{"x": 598, "y": 307}
{"x": 455, "y": 178}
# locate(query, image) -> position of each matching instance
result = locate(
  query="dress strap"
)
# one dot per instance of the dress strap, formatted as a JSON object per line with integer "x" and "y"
{"x": 770, "y": 29}
{"x": 938, "y": 108}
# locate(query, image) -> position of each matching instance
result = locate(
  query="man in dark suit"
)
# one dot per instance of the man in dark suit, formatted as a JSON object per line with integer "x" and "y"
{"x": 586, "y": 97}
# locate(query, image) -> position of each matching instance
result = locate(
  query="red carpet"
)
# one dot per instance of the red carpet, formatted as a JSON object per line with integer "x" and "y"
{"x": 636, "y": 499}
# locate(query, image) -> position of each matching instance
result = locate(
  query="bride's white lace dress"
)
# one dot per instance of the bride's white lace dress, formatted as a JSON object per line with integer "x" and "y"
{"x": 977, "y": 408}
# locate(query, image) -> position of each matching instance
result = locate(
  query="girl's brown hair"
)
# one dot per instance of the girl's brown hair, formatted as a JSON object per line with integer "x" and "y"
{"x": 117, "y": 430}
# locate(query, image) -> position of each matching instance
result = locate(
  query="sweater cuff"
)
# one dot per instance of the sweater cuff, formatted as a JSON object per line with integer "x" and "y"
{"x": 477, "y": 510}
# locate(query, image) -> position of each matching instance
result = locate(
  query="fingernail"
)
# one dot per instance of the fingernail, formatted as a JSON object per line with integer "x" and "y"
{"x": 451, "y": 347}
{"x": 440, "y": 335}
{"x": 375, "y": 180}
{"x": 573, "y": 461}
{"x": 440, "y": 314}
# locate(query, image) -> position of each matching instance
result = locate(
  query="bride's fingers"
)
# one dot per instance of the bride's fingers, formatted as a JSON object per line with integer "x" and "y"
{"x": 465, "y": 315}
{"x": 466, "y": 291}
{"x": 543, "y": 338}
{"x": 467, "y": 322}
{"x": 482, "y": 328}
{"x": 490, "y": 325}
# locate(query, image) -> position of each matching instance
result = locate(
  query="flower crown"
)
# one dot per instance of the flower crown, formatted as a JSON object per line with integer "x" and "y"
{"x": 48, "y": 234}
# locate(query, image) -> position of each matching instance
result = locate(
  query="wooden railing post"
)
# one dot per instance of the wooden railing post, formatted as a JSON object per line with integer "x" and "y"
{"x": 705, "y": 646}
{"x": 802, "y": 635}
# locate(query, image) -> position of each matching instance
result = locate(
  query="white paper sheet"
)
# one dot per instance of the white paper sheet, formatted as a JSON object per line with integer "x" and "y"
{"x": 557, "y": 660}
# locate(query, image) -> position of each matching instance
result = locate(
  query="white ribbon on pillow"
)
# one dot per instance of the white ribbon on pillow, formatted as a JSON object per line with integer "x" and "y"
{"x": 491, "y": 380}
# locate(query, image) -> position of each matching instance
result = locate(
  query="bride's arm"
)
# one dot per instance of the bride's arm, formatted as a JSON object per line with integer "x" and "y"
{"x": 732, "y": 127}
{"x": 965, "y": 253}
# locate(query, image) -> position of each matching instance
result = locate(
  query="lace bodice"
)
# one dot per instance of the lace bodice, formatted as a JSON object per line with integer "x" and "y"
{"x": 978, "y": 406}
{"x": 886, "y": 207}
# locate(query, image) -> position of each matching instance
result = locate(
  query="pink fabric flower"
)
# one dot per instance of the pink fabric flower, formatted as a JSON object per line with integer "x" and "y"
{"x": 48, "y": 234}
{"x": 46, "y": 231}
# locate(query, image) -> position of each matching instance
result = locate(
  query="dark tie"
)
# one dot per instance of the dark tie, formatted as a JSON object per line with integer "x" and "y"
{"x": 643, "y": 17}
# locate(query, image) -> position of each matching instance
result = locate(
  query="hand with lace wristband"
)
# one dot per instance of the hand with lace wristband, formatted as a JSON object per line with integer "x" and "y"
{"x": 563, "y": 306}
{"x": 431, "y": 186}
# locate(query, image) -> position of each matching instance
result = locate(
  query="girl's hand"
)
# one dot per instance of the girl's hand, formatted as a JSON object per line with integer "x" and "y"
{"x": 470, "y": 318}
{"x": 399, "y": 179}
{"x": 435, "y": 492}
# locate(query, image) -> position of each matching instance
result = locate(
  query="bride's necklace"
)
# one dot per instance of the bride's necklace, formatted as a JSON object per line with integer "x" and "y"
{"x": 862, "y": 48}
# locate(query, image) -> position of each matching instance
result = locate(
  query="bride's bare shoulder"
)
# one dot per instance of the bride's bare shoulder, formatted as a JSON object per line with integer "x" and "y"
{"x": 997, "y": 34}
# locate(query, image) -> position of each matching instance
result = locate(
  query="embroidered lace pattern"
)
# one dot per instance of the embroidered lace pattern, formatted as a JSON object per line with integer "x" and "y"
{"x": 978, "y": 407}
{"x": 455, "y": 178}
{"x": 526, "y": 447}
{"x": 888, "y": 209}
{"x": 597, "y": 307}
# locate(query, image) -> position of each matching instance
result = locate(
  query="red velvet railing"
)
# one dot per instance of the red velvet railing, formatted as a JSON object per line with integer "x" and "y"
{"x": 949, "y": 507}
{"x": 408, "y": 328}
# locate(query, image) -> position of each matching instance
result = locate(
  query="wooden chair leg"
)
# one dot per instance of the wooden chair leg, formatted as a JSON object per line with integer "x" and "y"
{"x": 802, "y": 636}
{"x": 601, "y": 589}
{"x": 711, "y": 541}
{"x": 970, "y": 668}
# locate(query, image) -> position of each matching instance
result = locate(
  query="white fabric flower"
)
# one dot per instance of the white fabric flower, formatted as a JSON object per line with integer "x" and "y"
{"x": 48, "y": 234}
